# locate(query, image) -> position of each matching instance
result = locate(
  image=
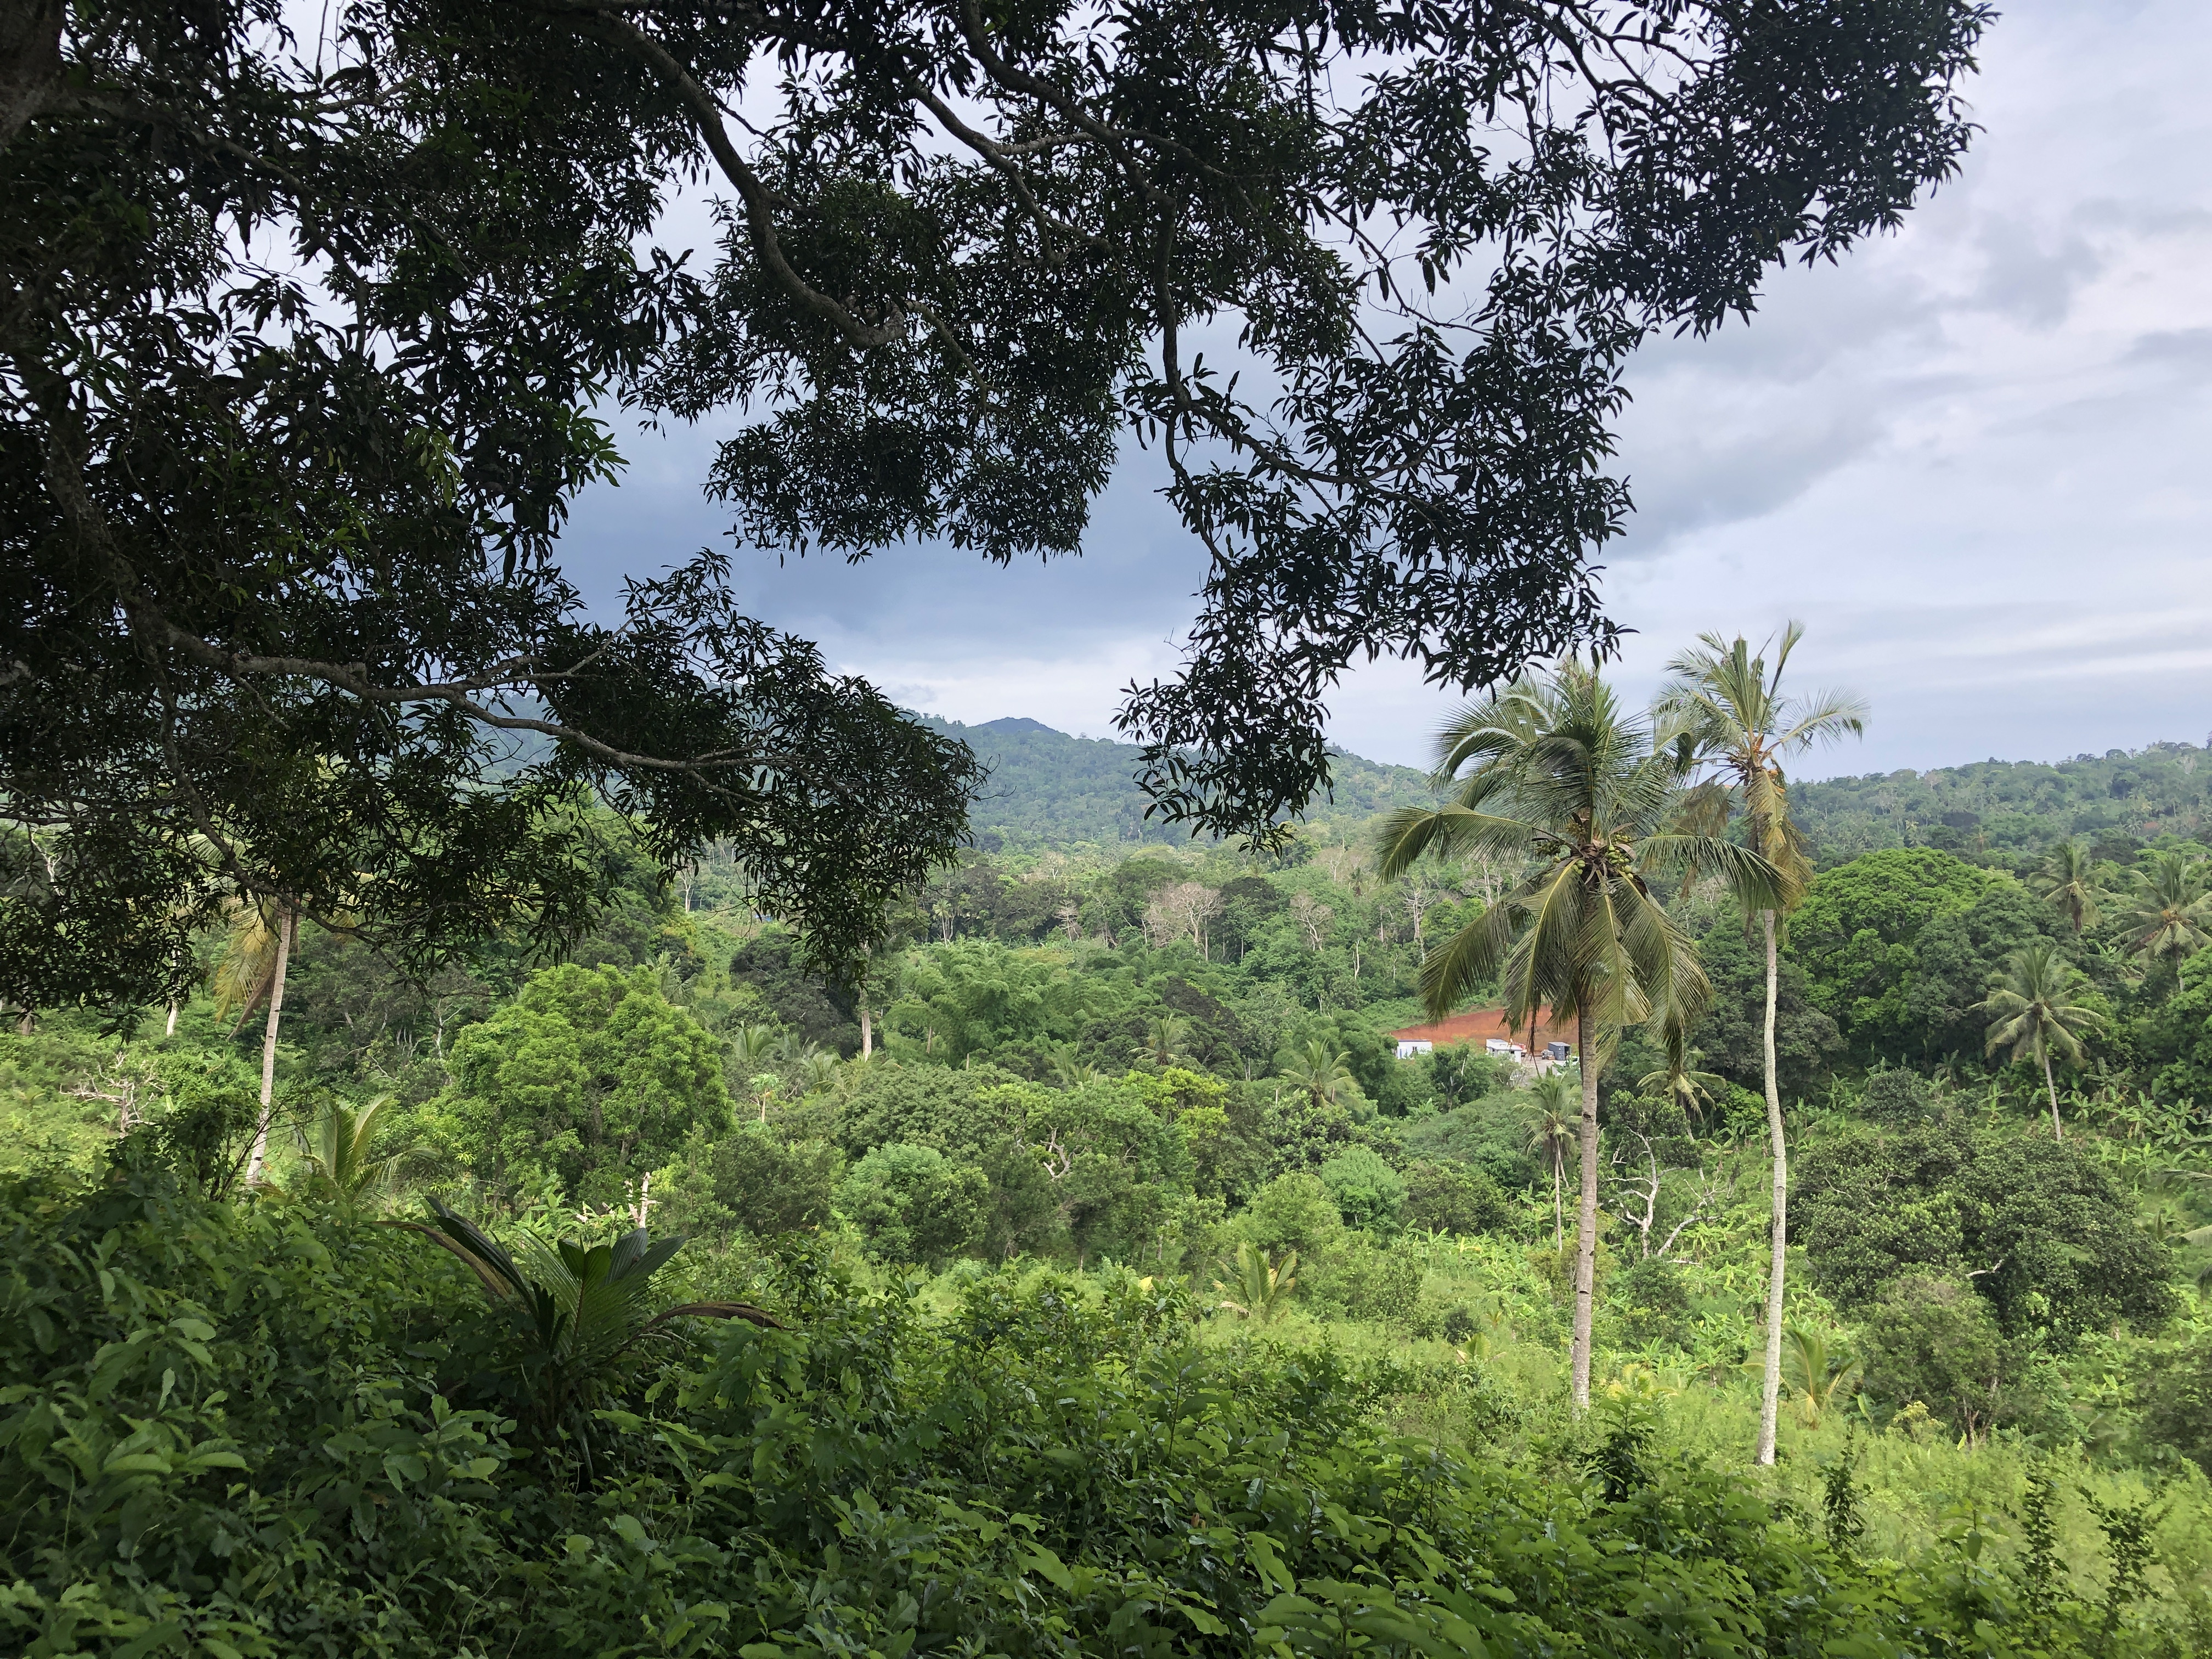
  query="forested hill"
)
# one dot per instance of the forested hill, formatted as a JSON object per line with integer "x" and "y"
{"x": 2119, "y": 800}
{"x": 1048, "y": 789}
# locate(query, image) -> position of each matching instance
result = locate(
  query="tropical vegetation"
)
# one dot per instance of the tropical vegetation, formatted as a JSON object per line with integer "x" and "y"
{"x": 1114, "y": 1200}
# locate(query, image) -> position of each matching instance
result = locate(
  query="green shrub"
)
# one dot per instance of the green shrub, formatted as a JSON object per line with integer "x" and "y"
{"x": 1455, "y": 1198}
{"x": 1368, "y": 1192}
{"x": 1896, "y": 1097}
{"x": 1487, "y": 1134}
{"x": 1934, "y": 1341}
{"x": 2177, "y": 1404}
{"x": 1376, "y": 1284}
{"x": 1653, "y": 1302}
{"x": 2051, "y": 1243}
{"x": 245, "y": 1430}
{"x": 1293, "y": 1212}
{"x": 912, "y": 1204}
{"x": 768, "y": 1187}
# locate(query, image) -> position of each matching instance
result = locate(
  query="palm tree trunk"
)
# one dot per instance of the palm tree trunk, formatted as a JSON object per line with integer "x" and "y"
{"x": 285, "y": 925}
{"x": 1586, "y": 1216}
{"x": 2051, "y": 1084}
{"x": 1770, "y": 1398}
{"x": 170, "y": 1030}
{"x": 1558, "y": 1181}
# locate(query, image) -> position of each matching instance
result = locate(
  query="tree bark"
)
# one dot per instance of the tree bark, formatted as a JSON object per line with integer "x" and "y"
{"x": 1559, "y": 1214}
{"x": 867, "y": 1027}
{"x": 286, "y": 925}
{"x": 1770, "y": 1398}
{"x": 2050, "y": 1086}
{"x": 171, "y": 1029}
{"x": 1586, "y": 1216}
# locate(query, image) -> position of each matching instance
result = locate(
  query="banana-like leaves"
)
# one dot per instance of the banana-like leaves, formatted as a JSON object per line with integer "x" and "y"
{"x": 579, "y": 1310}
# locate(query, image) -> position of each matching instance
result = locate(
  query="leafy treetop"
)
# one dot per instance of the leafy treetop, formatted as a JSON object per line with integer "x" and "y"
{"x": 303, "y": 345}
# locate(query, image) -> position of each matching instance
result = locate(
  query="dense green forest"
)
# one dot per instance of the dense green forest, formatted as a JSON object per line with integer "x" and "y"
{"x": 1130, "y": 1283}
{"x": 538, "y": 1117}
{"x": 1050, "y": 792}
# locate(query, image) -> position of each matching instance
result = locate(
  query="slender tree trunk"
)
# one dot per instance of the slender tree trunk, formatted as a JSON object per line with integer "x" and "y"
{"x": 2050, "y": 1086}
{"x": 171, "y": 1029}
{"x": 1770, "y": 1397}
{"x": 1558, "y": 1181}
{"x": 285, "y": 925}
{"x": 1586, "y": 1216}
{"x": 868, "y": 1026}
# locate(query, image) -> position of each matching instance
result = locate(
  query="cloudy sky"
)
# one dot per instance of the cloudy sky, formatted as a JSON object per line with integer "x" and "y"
{"x": 1972, "y": 460}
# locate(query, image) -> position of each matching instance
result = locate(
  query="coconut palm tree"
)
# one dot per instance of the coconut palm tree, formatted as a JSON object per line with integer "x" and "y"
{"x": 1068, "y": 1071}
{"x": 2169, "y": 909}
{"x": 1555, "y": 770}
{"x": 1824, "y": 1376}
{"x": 1320, "y": 1073}
{"x": 338, "y": 1157}
{"x": 2065, "y": 878}
{"x": 1549, "y": 1112}
{"x": 2035, "y": 1013}
{"x": 578, "y": 1312}
{"x": 1725, "y": 712}
{"x": 257, "y": 954}
{"x": 753, "y": 1045}
{"x": 1692, "y": 1089}
{"x": 1164, "y": 1038}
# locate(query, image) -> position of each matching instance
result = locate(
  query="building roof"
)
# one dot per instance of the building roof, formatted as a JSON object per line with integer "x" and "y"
{"x": 1482, "y": 1024}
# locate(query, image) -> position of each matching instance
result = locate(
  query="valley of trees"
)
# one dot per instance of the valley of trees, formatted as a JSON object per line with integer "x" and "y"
{"x": 1103, "y": 1199}
{"x": 533, "y": 1126}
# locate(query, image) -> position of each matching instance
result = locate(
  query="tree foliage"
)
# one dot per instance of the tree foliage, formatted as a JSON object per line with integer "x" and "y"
{"x": 302, "y": 371}
{"x": 1898, "y": 947}
{"x": 587, "y": 1080}
{"x": 2034, "y": 1227}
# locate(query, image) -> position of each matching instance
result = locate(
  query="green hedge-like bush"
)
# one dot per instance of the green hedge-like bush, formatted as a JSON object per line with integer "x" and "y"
{"x": 259, "y": 1429}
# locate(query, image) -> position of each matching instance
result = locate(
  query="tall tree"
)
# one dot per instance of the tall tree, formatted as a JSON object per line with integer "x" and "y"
{"x": 256, "y": 959}
{"x": 1726, "y": 712}
{"x": 2169, "y": 910}
{"x": 1556, "y": 772}
{"x": 256, "y": 505}
{"x": 2036, "y": 1013}
{"x": 2065, "y": 876}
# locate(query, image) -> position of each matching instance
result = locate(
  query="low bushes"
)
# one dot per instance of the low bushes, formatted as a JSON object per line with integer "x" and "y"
{"x": 262, "y": 1429}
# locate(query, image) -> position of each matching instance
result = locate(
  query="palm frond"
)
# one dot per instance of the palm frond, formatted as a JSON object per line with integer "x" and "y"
{"x": 1411, "y": 832}
{"x": 1750, "y": 877}
{"x": 1471, "y": 954}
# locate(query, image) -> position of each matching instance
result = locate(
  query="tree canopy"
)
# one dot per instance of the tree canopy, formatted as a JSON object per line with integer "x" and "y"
{"x": 308, "y": 347}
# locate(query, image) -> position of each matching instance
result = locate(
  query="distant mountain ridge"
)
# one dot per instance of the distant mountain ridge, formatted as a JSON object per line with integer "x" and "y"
{"x": 2116, "y": 801}
{"x": 1051, "y": 791}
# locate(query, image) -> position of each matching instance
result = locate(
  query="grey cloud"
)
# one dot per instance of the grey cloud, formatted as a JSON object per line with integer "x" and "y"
{"x": 2032, "y": 273}
{"x": 1136, "y": 574}
{"x": 2181, "y": 350}
{"x": 1692, "y": 467}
